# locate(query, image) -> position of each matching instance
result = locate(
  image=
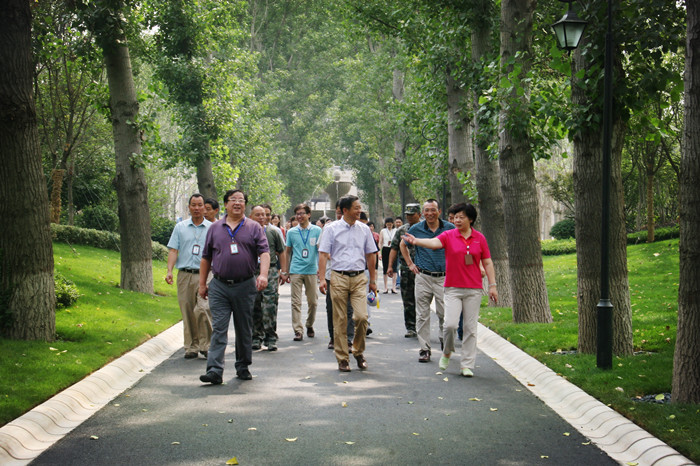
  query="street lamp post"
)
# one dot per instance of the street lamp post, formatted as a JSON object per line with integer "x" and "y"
{"x": 569, "y": 30}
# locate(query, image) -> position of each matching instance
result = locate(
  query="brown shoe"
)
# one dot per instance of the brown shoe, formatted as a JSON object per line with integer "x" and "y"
{"x": 298, "y": 336}
{"x": 344, "y": 366}
{"x": 310, "y": 332}
{"x": 424, "y": 356}
{"x": 361, "y": 362}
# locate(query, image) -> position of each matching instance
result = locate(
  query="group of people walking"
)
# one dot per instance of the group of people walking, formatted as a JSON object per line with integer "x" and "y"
{"x": 231, "y": 268}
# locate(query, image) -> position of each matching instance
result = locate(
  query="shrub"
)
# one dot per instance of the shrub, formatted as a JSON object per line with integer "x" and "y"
{"x": 563, "y": 229}
{"x": 660, "y": 234}
{"x": 555, "y": 247}
{"x": 161, "y": 229}
{"x": 98, "y": 217}
{"x": 66, "y": 291}
{"x": 98, "y": 239}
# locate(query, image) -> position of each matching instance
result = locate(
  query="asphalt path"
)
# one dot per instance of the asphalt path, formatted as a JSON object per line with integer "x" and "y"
{"x": 299, "y": 409}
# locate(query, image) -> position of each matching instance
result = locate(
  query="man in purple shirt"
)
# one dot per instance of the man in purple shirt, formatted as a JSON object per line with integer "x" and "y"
{"x": 231, "y": 251}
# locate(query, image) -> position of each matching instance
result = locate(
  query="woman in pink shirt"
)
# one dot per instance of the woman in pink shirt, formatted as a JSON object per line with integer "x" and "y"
{"x": 465, "y": 250}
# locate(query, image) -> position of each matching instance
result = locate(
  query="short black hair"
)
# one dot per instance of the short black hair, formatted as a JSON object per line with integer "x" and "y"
{"x": 304, "y": 206}
{"x": 467, "y": 209}
{"x": 193, "y": 196}
{"x": 433, "y": 200}
{"x": 388, "y": 220}
{"x": 231, "y": 192}
{"x": 212, "y": 202}
{"x": 363, "y": 216}
{"x": 346, "y": 201}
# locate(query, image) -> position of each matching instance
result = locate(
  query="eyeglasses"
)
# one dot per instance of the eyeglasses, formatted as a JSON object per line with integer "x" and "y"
{"x": 237, "y": 201}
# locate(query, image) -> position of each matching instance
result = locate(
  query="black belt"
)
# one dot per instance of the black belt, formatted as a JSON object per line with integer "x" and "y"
{"x": 190, "y": 270}
{"x": 232, "y": 281}
{"x": 350, "y": 273}
{"x": 432, "y": 274}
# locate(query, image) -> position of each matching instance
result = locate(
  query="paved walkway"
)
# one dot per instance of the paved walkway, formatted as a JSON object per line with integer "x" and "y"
{"x": 149, "y": 407}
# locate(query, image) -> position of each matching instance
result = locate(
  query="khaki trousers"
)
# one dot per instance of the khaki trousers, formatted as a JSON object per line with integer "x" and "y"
{"x": 354, "y": 289}
{"x": 196, "y": 316}
{"x": 297, "y": 281}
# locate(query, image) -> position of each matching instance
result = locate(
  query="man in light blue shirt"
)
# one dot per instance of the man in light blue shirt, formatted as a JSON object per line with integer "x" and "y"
{"x": 185, "y": 253}
{"x": 350, "y": 247}
{"x": 302, "y": 247}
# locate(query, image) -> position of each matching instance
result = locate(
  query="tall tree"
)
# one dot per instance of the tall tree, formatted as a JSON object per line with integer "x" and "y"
{"x": 488, "y": 177}
{"x": 639, "y": 72}
{"x": 106, "y": 19}
{"x": 27, "y": 298}
{"x": 686, "y": 363}
{"x": 530, "y": 301}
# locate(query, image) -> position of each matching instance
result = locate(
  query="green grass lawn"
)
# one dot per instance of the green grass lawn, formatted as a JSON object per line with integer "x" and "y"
{"x": 105, "y": 323}
{"x": 653, "y": 277}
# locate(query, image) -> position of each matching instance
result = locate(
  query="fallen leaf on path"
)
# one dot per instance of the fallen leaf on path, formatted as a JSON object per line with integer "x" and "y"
{"x": 349, "y": 443}
{"x": 175, "y": 443}
{"x": 445, "y": 379}
{"x": 233, "y": 460}
{"x": 566, "y": 434}
{"x": 416, "y": 433}
{"x": 291, "y": 439}
{"x": 531, "y": 385}
{"x": 544, "y": 457}
{"x": 493, "y": 409}
{"x": 94, "y": 437}
{"x": 474, "y": 399}
{"x": 252, "y": 428}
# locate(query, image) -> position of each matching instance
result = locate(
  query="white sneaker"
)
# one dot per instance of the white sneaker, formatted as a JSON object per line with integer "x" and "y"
{"x": 444, "y": 362}
{"x": 466, "y": 372}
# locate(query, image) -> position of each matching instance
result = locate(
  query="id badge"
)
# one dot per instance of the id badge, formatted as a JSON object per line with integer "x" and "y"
{"x": 234, "y": 248}
{"x": 195, "y": 250}
{"x": 468, "y": 259}
{"x": 304, "y": 253}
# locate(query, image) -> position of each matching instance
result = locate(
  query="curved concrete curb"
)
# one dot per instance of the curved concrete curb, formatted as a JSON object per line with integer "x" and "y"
{"x": 617, "y": 436}
{"x": 28, "y": 436}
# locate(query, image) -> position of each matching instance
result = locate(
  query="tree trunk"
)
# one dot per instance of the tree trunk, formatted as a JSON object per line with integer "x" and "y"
{"x": 205, "y": 177}
{"x": 459, "y": 139}
{"x": 488, "y": 184}
{"x": 130, "y": 180}
{"x": 27, "y": 299}
{"x": 686, "y": 363}
{"x": 56, "y": 189}
{"x": 650, "y": 198}
{"x": 69, "y": 192}
{"x": 405, "y": 192}
{"x": 518, "y": 185}
{"x": 587, "y": 172}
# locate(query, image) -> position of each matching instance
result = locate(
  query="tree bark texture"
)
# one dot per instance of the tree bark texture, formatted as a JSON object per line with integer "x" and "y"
{"x": 205, "y": 177}
{"x": 405, "y": 191}
{"x": 686, "y": 359}
{"x": 459, "y": 138}
{"x": 27, "y": 299}
{"x": 488, "y": 185}
{"x": 56, "y": 189}
{"x": 587, "y": 173}
{"x": 518, "y": 185}
{"x": 130, "y": 180}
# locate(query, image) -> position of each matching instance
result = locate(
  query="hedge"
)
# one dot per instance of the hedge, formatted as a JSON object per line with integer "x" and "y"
{"x": 98, "y": 239}
{"x": 554, "y": 247}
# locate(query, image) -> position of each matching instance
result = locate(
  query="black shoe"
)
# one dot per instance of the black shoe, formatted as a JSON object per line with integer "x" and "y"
{"x": 244, "y": 374}
{"x": 331, "y": 345}
{"x": 424, "y": 356}
{"x": 411, "y": 334}
{"x": 272, "y": 346}
{"x": 205, "y": 353}
{"x": 211, "y": 377}
{"x": 310, "y": 332}
{"x": 256, "y": 346}
{"x": 369, "y": 330}
{"x": 190, "y": 355}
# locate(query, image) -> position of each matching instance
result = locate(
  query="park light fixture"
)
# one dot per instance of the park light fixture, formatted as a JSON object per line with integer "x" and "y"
{"x": 569, "y": 29}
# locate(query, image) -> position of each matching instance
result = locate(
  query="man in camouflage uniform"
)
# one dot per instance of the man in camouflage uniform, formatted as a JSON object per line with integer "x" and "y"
{"x": 408, "y": 278}
{"x": 265, "y": 308}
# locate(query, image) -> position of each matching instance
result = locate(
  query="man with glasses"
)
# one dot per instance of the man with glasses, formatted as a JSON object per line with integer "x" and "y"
{"x": 231, "y": 251}
{"x": 302, "y": 252}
